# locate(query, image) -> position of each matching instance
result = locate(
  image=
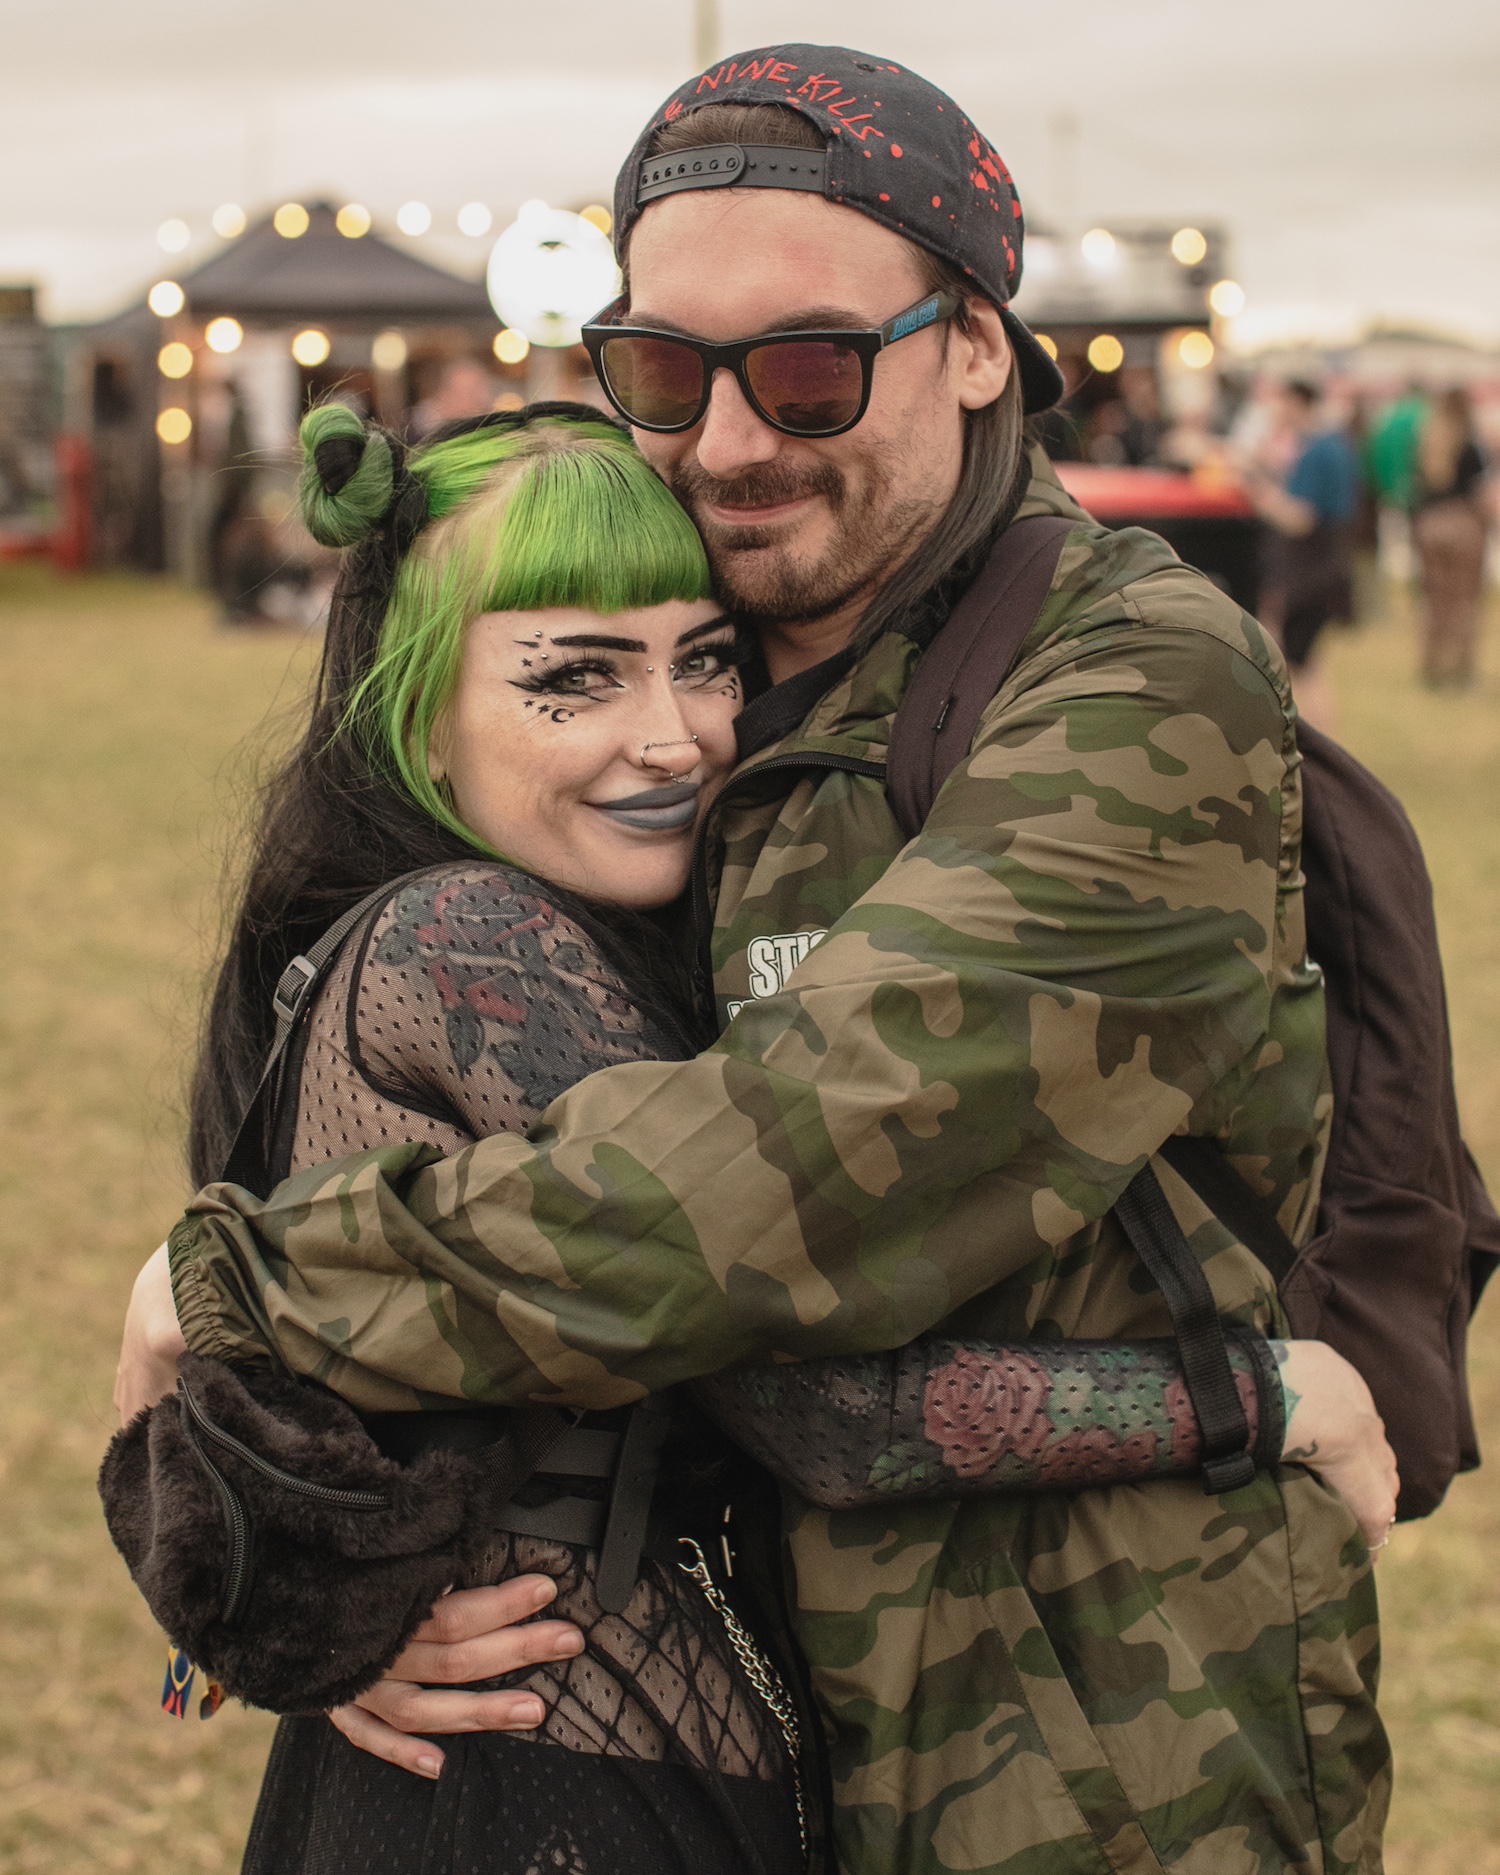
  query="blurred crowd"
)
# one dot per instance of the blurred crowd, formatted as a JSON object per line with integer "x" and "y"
{"x": 1337, "y": 477}
{"x": 1332, "y": 471}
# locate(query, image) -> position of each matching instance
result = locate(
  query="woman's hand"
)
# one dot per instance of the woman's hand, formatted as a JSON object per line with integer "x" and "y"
{"x": 1332, "y": 1427}
{"x": 153, "y": 1342}
{"x": 470, "y": 1635}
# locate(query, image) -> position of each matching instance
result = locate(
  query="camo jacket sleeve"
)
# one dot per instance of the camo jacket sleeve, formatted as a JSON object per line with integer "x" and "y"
{"x": 1077, "y": 957}
{"x": 944, "y": 1418}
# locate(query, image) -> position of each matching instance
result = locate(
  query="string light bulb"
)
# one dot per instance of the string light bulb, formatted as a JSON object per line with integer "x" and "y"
{"x": 1188, "y": 247}
{"x": 352, "y": 221}
{"x": 223, "y": 335}
{"x": 1227, "y": 298}
{"x": 310, "y": 347}
{"x": 291, "y": 221}
{"x": 166, "y": 298}
{"x": 1106, "y": 353}
{"x": 229, "y": 221}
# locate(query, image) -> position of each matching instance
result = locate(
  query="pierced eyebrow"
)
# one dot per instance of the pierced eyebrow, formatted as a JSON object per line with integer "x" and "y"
{"x": 702, "y": 631}
{"x": 599, "y": 641}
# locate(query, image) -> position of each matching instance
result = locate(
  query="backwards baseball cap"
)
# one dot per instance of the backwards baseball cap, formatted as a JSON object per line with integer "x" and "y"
{"x": 897, "y": 149}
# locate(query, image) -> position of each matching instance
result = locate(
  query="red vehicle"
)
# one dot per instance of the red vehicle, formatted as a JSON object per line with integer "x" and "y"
{"x": 1207, "y": 519}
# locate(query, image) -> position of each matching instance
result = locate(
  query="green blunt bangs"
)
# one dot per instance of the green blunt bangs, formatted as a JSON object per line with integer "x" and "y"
{"x": 561, "y": 513}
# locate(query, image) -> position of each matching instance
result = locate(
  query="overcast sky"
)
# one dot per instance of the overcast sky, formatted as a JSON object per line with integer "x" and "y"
{"x": 1351, "y": 149}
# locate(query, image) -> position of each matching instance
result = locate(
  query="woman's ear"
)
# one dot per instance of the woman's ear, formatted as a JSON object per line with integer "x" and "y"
{"x": 439, "y": 748}
{"x": 983, "y": 355}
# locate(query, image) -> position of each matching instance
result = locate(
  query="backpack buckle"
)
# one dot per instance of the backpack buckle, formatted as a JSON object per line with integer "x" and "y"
{"x": 292, "y": 990}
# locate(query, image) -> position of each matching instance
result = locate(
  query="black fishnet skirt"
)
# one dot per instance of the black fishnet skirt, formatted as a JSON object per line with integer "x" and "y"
{"x": 506, "y": 1805}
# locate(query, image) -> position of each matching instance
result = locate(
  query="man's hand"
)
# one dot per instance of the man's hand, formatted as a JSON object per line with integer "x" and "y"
{"x": 1332, "y": 1427}
{"x": 470, "y": 1635}
{"x": 153, "y": 1342}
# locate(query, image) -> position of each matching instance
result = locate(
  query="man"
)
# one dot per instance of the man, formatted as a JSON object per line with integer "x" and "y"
{"x": 1391, "y": 451}
{"x": 1310, "y": 565}
{"x": 944, "y": 1061}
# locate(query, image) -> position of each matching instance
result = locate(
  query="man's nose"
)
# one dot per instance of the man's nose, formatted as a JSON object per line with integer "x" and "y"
{"x": 732, "y": 437}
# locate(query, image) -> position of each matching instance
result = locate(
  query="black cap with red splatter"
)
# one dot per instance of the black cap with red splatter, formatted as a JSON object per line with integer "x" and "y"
{"x": 898, "y": 150}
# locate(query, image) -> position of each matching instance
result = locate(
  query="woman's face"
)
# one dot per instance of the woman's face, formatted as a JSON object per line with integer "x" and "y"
{"x": 584, "y": 746}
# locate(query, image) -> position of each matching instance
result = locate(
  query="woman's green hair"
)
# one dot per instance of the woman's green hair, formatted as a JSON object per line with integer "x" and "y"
{"x": 556, "y": 512}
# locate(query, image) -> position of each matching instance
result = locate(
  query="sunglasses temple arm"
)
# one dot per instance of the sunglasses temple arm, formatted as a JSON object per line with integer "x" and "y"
{"x": 927, "y": 312}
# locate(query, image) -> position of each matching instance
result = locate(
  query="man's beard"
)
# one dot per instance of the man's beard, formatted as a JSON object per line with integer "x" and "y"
{"x": 755, "y": 571}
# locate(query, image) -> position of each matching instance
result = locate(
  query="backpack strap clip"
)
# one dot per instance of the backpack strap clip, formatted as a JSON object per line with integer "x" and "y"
{"x": 293, "y": 988}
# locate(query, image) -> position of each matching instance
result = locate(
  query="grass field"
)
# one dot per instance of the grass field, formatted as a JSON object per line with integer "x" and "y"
{"x": 121, "y": 709}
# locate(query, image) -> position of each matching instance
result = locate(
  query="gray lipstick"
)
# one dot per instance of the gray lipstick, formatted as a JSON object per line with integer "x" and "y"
{"x": 656, "y": 810}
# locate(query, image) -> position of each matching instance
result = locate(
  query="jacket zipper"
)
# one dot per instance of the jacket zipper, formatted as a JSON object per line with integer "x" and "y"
{"x": 702, "y": 910}
{"x": 237, "y": 1530}
{"x": 321, "y": 1493}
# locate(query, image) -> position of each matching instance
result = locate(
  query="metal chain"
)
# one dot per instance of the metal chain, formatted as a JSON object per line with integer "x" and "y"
{"x": 761, "y": 1674}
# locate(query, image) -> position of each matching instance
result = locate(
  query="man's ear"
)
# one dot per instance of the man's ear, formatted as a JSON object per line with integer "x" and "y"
{"x": 982, "y": 354}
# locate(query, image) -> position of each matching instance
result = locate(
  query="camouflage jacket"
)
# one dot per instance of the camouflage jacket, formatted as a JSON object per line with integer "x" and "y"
{"x": 945, "y": 1060}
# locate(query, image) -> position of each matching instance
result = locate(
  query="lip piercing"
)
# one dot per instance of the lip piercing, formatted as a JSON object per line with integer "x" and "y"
{"x": 646, "y": 747}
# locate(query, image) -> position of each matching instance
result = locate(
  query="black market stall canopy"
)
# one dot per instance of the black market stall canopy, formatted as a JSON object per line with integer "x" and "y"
{"x": 265, "y": 278}
{"x": 196, "y": 389}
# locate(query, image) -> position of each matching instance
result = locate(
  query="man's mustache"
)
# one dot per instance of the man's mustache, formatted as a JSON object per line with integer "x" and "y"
{"x": 764, "y": 487}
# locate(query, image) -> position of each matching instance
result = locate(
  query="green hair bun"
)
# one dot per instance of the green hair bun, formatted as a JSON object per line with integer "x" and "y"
{"x": 348, "y": 476}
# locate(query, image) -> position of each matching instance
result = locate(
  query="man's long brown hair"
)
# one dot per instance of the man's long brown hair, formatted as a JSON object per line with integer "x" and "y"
{"x": 918, "y": 595}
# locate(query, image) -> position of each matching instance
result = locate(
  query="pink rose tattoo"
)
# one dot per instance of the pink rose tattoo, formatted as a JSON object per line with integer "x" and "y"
{"x": 981, "y": 1407}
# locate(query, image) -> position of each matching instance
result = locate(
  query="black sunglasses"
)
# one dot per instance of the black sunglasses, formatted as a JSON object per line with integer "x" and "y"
{"x": 801, "y": 383}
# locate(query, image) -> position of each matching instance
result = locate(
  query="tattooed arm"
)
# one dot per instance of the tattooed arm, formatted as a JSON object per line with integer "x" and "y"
{"x": 947, "y": 1418}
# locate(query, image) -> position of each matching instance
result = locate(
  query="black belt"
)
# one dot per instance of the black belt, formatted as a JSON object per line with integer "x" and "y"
{"x": 627, "y": 1459}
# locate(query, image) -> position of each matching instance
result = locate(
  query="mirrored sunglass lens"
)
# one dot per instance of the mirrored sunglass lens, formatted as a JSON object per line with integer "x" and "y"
{"x": 654, "y": 380}
{"x": 810, "y": 387}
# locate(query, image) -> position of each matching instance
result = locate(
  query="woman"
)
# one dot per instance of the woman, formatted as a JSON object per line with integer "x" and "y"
{"x": 523, "y": 660}
{"x": 1450, "y": 528}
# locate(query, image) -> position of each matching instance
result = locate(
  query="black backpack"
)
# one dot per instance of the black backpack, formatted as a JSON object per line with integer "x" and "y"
{"x": 1406, "y": 1235}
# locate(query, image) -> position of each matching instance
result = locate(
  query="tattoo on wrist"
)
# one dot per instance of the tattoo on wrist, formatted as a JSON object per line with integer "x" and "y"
{"x": 1289, "y": 1393}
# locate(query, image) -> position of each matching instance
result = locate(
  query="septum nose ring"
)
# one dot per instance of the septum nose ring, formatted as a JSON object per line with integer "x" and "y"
{"x": 682, "y": 742}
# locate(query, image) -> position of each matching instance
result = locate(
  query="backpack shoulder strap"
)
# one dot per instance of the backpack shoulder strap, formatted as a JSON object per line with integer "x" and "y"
{"x": 967, "y": 662}
{"x": 253, "y": 1153}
